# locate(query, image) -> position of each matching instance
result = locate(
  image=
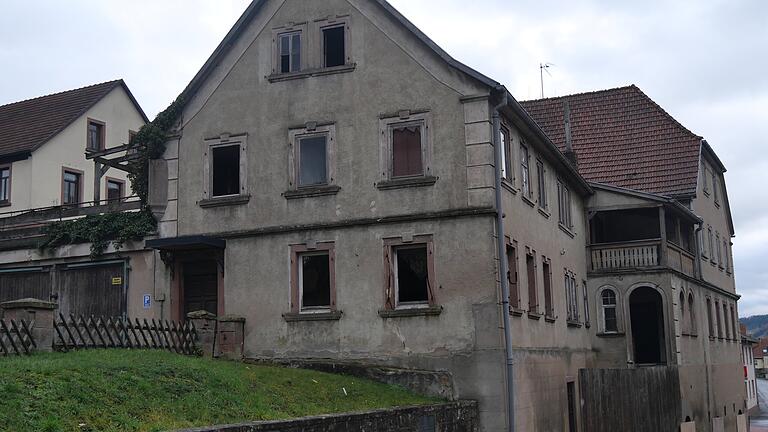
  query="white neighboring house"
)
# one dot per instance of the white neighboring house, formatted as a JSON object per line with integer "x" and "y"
{"x": 43, "y": 142}
{"x": 750, "y": 379}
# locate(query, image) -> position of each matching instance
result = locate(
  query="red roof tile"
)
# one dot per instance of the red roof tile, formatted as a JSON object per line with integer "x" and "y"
{"x": 623, "y": 138}
{"x": 26, "y": 125}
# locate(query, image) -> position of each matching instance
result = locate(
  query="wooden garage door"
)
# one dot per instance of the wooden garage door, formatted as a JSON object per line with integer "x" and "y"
{"x": 25, "y": 283}
{"x": 94, "y": 289}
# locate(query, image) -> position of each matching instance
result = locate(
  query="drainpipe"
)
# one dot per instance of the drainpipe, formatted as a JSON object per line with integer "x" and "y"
{"x": 503, "y": 265}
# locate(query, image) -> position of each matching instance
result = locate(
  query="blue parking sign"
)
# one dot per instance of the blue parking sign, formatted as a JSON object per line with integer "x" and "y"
{"x": 147, "y": 301}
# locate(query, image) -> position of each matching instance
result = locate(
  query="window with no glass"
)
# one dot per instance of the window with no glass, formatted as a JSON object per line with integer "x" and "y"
{"x": 5, "y": 185}
{"x": 334, "y": 49}
{"x": 225, "y": 170}
{"x": 313, "y": 278}
{"x": 289, "y": 46}
{"x": 410, "y": 274}
{"x": 95, "y": 135}
{"x": 71, "y": 182}
{"x": 115, "y": 190}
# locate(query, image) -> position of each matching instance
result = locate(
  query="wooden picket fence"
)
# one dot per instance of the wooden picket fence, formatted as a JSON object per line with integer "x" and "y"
{"x": 16, "y": 337}
{"x": 79, "y": 332}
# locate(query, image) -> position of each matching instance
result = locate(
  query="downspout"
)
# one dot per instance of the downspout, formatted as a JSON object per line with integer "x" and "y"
{"x": 503, "y": 265}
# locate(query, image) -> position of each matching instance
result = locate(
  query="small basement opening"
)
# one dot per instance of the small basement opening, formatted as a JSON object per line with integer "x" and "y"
{"x": 226, "y": 170}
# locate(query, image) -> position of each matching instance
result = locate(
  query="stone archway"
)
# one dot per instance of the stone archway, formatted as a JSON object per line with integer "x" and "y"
{"x": 646, "y": 312}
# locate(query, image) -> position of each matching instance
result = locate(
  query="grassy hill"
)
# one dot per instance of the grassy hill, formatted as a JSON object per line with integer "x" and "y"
{"x": 121, "y": 390}
{"x": 757, "y": 325}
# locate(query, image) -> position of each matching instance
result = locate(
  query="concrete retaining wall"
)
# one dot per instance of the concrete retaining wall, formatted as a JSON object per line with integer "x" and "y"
{"x": 452, "y": 417}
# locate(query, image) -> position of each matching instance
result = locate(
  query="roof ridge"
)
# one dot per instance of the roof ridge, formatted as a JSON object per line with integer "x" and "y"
{"x": 666, "y": 114}
{"x": 113, "y": 82}
{"x": 591, "y": 92}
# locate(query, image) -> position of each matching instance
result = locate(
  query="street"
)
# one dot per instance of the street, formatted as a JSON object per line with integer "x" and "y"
{"x": 759, "y": 423}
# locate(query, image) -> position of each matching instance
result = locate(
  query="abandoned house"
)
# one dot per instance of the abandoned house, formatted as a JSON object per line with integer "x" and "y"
{"x": 49, "y": 171}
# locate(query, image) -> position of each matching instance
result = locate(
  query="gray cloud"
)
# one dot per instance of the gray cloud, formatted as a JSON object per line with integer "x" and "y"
{"x": 703, "y": 61}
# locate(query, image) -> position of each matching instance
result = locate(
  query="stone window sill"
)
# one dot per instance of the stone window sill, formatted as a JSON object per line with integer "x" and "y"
{"x": 406, "y": 183}
{"x": 528, "y": 200}
{"x": 516, "y": 311}
{"x": 229, "y": 200}
{"x": 566, "y": 230}
{"x": 508, "y": 185}
{"x": 544, "y": 213}
{"x": 311, "y": 73}
{"x": 5, "y": 204}
{"x": 610, "y": 334}
{"x": 412, "y": 312}
{"x": 535, "y": 315}
{"x": 300, "y": 317}
{"x": 309, "y": 192}
{"x": 574, "y": 324}
{"x": 550, "y": 318}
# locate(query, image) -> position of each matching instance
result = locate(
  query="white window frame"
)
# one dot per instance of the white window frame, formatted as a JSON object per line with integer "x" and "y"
{"x": 405, "y": 119}
{"x": 225, "y": 140}
{"x": 507, "y": 155}
{"x": 326, "y": 23}
{"x": 603, "y": 307}
{"x": 525, "y": 170}
{"x": 311, "y": 129}
{"x": 541, "y": 184}
{"x": 290, "y": 28}
{"x": 564, "y": 203}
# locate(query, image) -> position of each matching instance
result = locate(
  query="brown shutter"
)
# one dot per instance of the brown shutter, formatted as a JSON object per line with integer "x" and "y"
{"x": 389, "y": 282}
{"x": 431, "y": 273}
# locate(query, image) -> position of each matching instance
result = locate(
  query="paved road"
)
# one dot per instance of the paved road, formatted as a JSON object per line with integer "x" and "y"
{"x": 759, "y": 422}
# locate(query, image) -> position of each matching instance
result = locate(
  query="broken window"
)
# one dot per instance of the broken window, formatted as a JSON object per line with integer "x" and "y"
{"x": 71, "y": 182}
{"x": 541, "y": 174}
{"x": 226, "y": 170}
{"x": 411, "y": 275}
{"x": 525, "y": 159}
{"x": 313, "y": 160}
{"x": 315, "y": 280}
{"x": 290, "y": 52}
{"x": 95, "y": 135}
{"x": 546, "y": 272}
{"x": 407, "y": 151}
{"x": 334, "y": 50}
{"x": 5, "y": 185}
{"x": 115, "y": 190}
{"x": 533, "y": 297}
{"x": 514, "y": 293}
{"x": 564, "y": 205}
{"x": 610, "y": 323}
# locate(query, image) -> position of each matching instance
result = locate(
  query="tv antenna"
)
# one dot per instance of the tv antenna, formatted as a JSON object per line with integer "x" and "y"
{"x": 544, "y": 67}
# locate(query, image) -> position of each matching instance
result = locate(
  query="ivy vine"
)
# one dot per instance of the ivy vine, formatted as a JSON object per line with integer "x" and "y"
{"x": 100, "y": 230}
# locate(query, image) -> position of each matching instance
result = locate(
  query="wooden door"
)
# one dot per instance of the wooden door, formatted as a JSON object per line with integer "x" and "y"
{"x": 94, "y": 289}
{"x": 201, "y": 286}
{"x": 25, "y": 283}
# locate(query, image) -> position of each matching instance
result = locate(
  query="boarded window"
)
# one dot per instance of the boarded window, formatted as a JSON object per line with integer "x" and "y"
{"x": 95, "y": 136}
{"x": 546, "y": 272}
{"x": 226, "y": 170}
{"x": 315, "y": 280}
{"x": 313, "y": 160}
{"x": 610, "y": 324}
{"x": 5, "y": 185}
{"x": 334, "y": 51}
{"x": 114, "y": 190}
{"x": 533, "y": 298}
{"x": 411, "y": 274}
{"x": 407, "y": 151}
{"x": 514, "y": 293}
{"x": 290, "y": 52}
{"x": 71, "y": 187}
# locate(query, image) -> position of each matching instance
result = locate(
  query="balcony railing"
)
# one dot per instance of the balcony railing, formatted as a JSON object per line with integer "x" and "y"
{"x": 680, "y": 259}
{"x": 625, "y": 255}
{"x": 31, "y": 218}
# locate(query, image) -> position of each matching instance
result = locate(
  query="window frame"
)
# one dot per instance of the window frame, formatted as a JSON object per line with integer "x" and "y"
{"x": 603, "y": 307}
{"x": 102, "y": 135}
{"x": 705, "y": 175}
{"x": 541, "y": 181}
{"x": 391, "y": 286}
{"x": 118, "y": 181}
{"x": 9, "y": 166}
{"x": 710, "y": 318}
{"x": 290, "y": 28}
{"x": 715, "y": 183}
{"x": 711, "y": 245}
{"x": 80, "y": 186}
{"x": 692, "y": 324}
{"x": 311, "y": 130}
{"x": 508, "y": 164}
{"x": 525, "y": 170}
{"x": 531, "y": 285}
{"x": 571, "y": 297}
{"x": 512, "y": 269}
{"x": 546, "y": 273}
{"x": 386, "y": 146}
{"x": 296, "y": 299}
{"x": 585, "y": 295}
{"x": 225, "y": 140}
{"x": 564, "y": 204}
{"x": 319, "y": 46}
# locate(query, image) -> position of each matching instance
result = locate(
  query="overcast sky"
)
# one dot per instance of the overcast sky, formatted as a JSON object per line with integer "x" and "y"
{"x": 705, "y": 62}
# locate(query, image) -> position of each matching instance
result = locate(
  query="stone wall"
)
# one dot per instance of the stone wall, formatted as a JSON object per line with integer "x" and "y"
{"x": 451, "y": 417}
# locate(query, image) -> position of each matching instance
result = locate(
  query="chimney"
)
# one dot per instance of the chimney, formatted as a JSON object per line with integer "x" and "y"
{"x": 569, "y": 153}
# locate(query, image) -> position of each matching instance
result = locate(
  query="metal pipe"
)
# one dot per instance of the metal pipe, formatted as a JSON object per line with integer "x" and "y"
{"x": 503, "y": 265}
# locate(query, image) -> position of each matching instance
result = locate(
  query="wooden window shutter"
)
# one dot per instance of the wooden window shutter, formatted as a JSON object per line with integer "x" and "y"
{"x": 389, "y": 279}
{"x": 431, "y": 273}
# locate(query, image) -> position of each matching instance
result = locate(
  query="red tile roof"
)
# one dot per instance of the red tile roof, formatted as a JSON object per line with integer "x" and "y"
{"x": 26, "y": 125}
{"x": 623, "y": 138}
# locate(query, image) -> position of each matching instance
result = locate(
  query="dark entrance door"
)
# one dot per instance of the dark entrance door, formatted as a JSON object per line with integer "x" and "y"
{"x": 92, "y": 289}
{"x": 647, "y": 319}
{"x": 201, "y": 286}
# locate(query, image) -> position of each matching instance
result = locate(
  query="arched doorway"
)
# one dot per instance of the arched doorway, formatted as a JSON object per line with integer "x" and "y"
{"x": 647, "y": 320}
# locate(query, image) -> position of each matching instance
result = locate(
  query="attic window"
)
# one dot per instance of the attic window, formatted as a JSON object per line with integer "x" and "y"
{"x": 290, "y": 52}
{"x": 226, "y": 170}
{"x": 96, "y": 136}
{"x": 334, "y": 50}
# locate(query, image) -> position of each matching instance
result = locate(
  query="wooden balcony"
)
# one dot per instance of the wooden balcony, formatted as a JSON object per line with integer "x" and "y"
{"x": 625, "y": 255}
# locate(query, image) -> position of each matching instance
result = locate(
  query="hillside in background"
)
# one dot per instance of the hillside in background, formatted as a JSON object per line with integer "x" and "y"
{"x": 757, "y": 325}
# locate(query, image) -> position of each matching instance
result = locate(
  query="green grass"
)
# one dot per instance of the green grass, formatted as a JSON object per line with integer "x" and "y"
{"x": 122, "y": 390}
